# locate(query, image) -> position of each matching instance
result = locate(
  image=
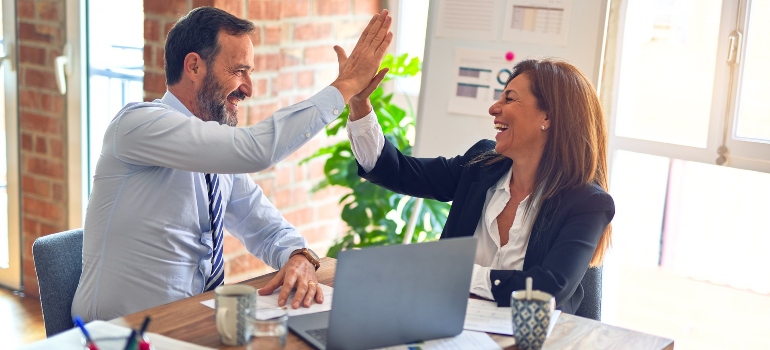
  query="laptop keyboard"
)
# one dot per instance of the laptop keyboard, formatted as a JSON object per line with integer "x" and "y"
{"x": 318, "y": 334}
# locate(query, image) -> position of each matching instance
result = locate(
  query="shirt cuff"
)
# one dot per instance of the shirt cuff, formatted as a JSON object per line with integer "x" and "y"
{"x": 330, "y": 102}
{"x": 480, "y": 284}
{"x": 366, "y": 140}
{"x": 286, "y": 254}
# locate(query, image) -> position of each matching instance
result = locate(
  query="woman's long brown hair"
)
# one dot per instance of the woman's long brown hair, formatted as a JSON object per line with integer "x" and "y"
{"x": 575, "y": 153}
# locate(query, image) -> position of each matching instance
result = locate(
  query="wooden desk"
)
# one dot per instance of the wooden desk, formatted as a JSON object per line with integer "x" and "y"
{"x": 191, "y": 321}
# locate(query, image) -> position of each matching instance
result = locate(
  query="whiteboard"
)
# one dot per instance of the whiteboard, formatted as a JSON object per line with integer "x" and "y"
{"x": 465, "y": 36}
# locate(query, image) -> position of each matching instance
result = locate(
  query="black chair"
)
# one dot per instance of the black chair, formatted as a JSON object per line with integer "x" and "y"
{"x": 58, "y": 264}
{"x": 591, "y": 306}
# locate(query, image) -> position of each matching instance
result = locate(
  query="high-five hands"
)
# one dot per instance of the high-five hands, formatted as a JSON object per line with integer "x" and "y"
{"x": 358, "y": 70}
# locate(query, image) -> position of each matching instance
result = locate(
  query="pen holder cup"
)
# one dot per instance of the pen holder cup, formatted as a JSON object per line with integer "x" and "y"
{"x": 235, "y": 305}
{"x": 115, "y": 343}
{"x": 531, "y": 318}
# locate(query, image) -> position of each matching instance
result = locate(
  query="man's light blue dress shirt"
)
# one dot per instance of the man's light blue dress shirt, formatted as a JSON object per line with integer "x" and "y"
{"x": 147, "y": 234}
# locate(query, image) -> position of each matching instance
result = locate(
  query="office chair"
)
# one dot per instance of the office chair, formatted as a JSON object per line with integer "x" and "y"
{"x": 58, "y": 264}
{"x": 591, "y": 306}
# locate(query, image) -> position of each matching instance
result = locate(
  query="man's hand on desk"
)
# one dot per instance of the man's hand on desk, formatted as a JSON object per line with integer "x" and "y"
{"x": 298, "y": 273}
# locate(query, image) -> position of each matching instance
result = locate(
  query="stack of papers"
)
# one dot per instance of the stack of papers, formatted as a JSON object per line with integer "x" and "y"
{"x": 267, "y": 301}
{"x": 486, "y": 316}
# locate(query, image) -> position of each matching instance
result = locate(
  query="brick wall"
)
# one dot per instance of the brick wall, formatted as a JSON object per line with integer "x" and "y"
{"x": 43, "y": 160}
{"x": 294, "y": 59}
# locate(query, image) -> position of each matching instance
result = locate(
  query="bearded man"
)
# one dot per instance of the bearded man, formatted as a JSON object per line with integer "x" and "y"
{"x": 173, "y": 173}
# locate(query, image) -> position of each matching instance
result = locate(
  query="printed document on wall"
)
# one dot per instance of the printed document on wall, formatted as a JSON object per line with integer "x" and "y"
{"x": 543, "y": 22}
{"x": 476, "y": 19}
{"x": 479, "y": 80}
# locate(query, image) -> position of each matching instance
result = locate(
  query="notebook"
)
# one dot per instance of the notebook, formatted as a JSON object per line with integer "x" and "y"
{"x": 394, "y": 295}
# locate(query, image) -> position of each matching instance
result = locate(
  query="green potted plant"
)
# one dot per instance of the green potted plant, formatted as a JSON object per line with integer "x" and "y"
{"x": 376, "y": 216}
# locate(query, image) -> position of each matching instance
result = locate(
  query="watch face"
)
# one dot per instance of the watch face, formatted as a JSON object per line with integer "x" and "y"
{"x": 313, "y": 254}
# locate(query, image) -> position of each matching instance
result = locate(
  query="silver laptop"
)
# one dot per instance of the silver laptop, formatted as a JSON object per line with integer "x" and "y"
{"x": 394, "y": 295}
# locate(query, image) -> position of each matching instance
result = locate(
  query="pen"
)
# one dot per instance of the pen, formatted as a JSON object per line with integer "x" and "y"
{"x": 130, "y": 340}
{"x": 89, "y": 342}
{"x": 143, "y": 344}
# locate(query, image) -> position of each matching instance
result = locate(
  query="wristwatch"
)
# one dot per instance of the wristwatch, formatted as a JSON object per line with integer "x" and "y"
{"x": 310, "y": 255}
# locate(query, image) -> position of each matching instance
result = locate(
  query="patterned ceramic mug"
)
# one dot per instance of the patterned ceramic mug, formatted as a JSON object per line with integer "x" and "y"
{"x": 531, "y": 318}
{"x": 235, "y": 305}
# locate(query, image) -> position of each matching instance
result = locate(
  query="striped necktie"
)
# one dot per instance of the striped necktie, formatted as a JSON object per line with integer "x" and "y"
{"x": 217, "y": 277}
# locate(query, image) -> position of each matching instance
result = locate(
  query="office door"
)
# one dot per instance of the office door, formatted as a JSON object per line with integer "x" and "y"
{"x": 10, "y": 260}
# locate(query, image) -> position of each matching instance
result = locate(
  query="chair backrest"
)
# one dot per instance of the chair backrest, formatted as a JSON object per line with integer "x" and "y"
{"x": 591, "y": 306}
{"x": 58, "y": 264}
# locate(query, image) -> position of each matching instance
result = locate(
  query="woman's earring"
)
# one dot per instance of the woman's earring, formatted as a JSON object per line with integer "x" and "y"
{"x": 542, "y": 127}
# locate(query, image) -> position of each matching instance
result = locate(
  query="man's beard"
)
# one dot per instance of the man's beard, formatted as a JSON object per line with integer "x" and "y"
{"x": 212, "y": 105}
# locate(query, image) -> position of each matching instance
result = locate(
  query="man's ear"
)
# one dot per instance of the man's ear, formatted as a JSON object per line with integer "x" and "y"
{"x": 194, "y": 67}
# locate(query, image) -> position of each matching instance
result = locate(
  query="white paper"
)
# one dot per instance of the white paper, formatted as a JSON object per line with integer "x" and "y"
{"x": 468, "y": 19}
{"x": 544, "y": 22}
{"x": 479, "y": 81}
{"x": 466, "y": 340}
{"x": 100, "y": 331}
{"x": 267, "y": 301}
{"x": 486, "y": 316}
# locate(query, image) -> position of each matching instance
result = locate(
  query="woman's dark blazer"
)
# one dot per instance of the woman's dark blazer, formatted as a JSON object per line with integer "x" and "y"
{"x": 564, "y": 236}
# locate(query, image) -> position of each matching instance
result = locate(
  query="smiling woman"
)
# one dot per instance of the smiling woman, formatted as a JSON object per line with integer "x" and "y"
{"x": 536, "y": 198}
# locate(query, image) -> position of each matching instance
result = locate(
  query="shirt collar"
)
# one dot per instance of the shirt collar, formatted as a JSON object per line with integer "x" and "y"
{"x": 170, "y": 100}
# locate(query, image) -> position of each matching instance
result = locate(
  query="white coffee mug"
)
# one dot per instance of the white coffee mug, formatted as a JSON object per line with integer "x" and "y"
{"x": 235, "y": 306}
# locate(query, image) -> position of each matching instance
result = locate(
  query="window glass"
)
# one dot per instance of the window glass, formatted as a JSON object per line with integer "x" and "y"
{"x": 667, "y": 69}
{"x": 753, "y": 119}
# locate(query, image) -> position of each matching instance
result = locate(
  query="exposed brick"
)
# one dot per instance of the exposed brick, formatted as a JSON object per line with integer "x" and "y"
{"x": 231, "y": 244}
{"x": 25, "y": 9}
{"x": 176, "y": 8}
{"x": 267, "y": 186}
{"x": 40, "y": 33}
{"x": 53, "y": 103}
{"x": 272, "y": 35}
{"x": 166, "y": 28}
{"x": 32, "y": 121}
{"x": 345, "y": 30}
{"x": 283, "y": 175}
{"x": 312, "y": 31}
{"x": 31, "y": 185}
{"x": 264, "y": 10}
{"x": 30, "y": 99}
{"x": 45, "y": 167}
{"x": 295, "y": 8}
{"x": 260, "y": 112}
{"x": 243, "y": 263}
{"x": 234, "y": 7}
{"x": 260, "y": 87}
{"x": 300, "y": 216}
{"x": 291, "y": 56}
{"x": 49, "y": 10}
{"x": 56, "y": 148}
{"x": 305, "y": 79}
{"x": 286, "y": 81}
{"x": 366, "y": 7}
{"x": 29, "y": 227}
{"x": 256, "y": 36}
{"x": 58, "y": 194}
{"x": 41, "y": 146}
{"x": 331, "y": 7}
{"x": 26, "y": 141}
{"x": 151, "y": 29}
{"x": 155, "y": 82}
{"x": 39, "y": 78}
{"x": 320, "y": 54}
{"x": 267, "y": 62}
{"x": 32, "y": 55}
{"x": 42, "y": 209}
